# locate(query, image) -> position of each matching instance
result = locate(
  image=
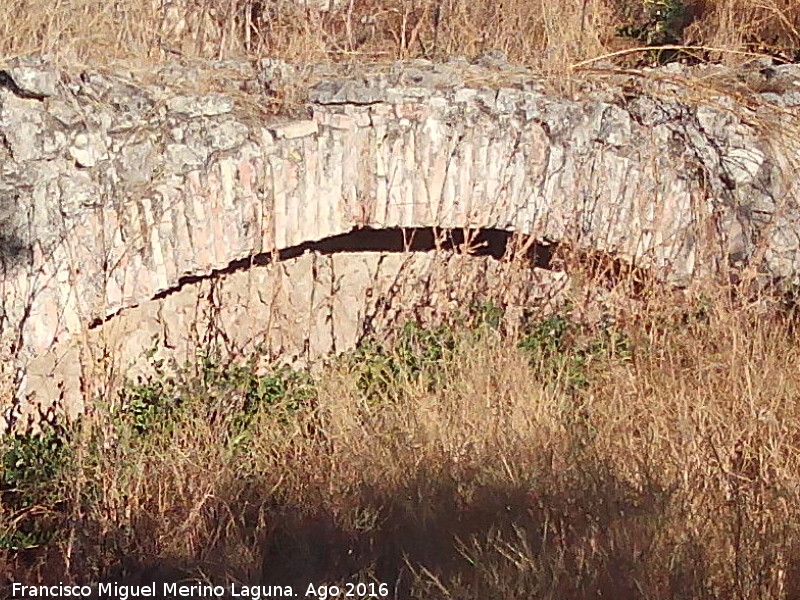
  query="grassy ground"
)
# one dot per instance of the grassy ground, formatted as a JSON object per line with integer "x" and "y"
{"x": 548, "y": 36}
{"x": 655, "y": 456}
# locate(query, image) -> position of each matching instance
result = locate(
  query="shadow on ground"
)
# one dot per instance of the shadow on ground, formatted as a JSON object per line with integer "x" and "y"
{"x": 582, "y": 534}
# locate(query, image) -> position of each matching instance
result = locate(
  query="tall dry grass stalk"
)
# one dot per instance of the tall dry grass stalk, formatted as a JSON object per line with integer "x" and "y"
{"x": 654, "y": 455}
{"x": 544, "y": 35}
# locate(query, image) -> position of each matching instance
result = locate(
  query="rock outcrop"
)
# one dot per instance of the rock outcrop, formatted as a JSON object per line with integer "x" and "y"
{"x": 119, "y": 190}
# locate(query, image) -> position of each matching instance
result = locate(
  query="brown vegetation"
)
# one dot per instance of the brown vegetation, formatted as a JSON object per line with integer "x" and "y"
{"x": 548, "y": 36}
{"x": 653, "y": 454}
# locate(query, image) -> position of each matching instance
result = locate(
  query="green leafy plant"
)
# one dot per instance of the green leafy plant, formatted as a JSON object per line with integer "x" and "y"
{"x": 547, "y": 337}
{"x": 561, "y": 354}
{"x": 609, "y": 342}
{"x": 419, "y": 353}
{"x": 489, "y": 314}
{"x": 657, "y": 23}
{"x": 33, "y": 466}
{"x": 147, "y": 402}
{"x": 280, "y": 393}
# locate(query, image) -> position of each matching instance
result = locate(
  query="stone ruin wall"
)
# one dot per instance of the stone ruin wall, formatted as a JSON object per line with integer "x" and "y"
{"x": 134, "y": 208}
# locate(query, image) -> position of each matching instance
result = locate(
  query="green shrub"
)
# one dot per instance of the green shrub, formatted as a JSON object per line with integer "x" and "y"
{"x": 562, "y": 353}
{"x": 418, "y": 355}
{"x": 33, "y": 469}
{"x": 657, "y": 23}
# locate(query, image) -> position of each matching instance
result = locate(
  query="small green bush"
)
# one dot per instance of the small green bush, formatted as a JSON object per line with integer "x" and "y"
{"x": 419, "y": 354}
{"x": 33, "y": 469}
{"x": 659, "y": 23}
{"x": 148, "y": 402}
{"x": 562, "y": 354}
{"x": 233, "y": 392}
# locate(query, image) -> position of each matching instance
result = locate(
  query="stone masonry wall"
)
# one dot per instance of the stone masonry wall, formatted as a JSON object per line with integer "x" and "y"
{"x": 119, "y": 188}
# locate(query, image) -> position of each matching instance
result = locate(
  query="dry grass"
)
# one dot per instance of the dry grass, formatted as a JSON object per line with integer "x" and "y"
{"x": 656, "y": 457}
{"x": 547, "y": 36}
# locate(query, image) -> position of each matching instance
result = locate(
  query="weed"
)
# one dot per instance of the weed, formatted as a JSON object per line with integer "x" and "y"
{"x": 662, "y": 24}
{"x": 489, "y": 314}
{"x": 546, "y": 337}
{"x": 417, "y": 356}
{"x": 546, "y": 36}
{"x": 148, "y": 402}
{"x": 550, "y": 345}
{"x": 33, "y": 467}
{"x": 277, "y": 396}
